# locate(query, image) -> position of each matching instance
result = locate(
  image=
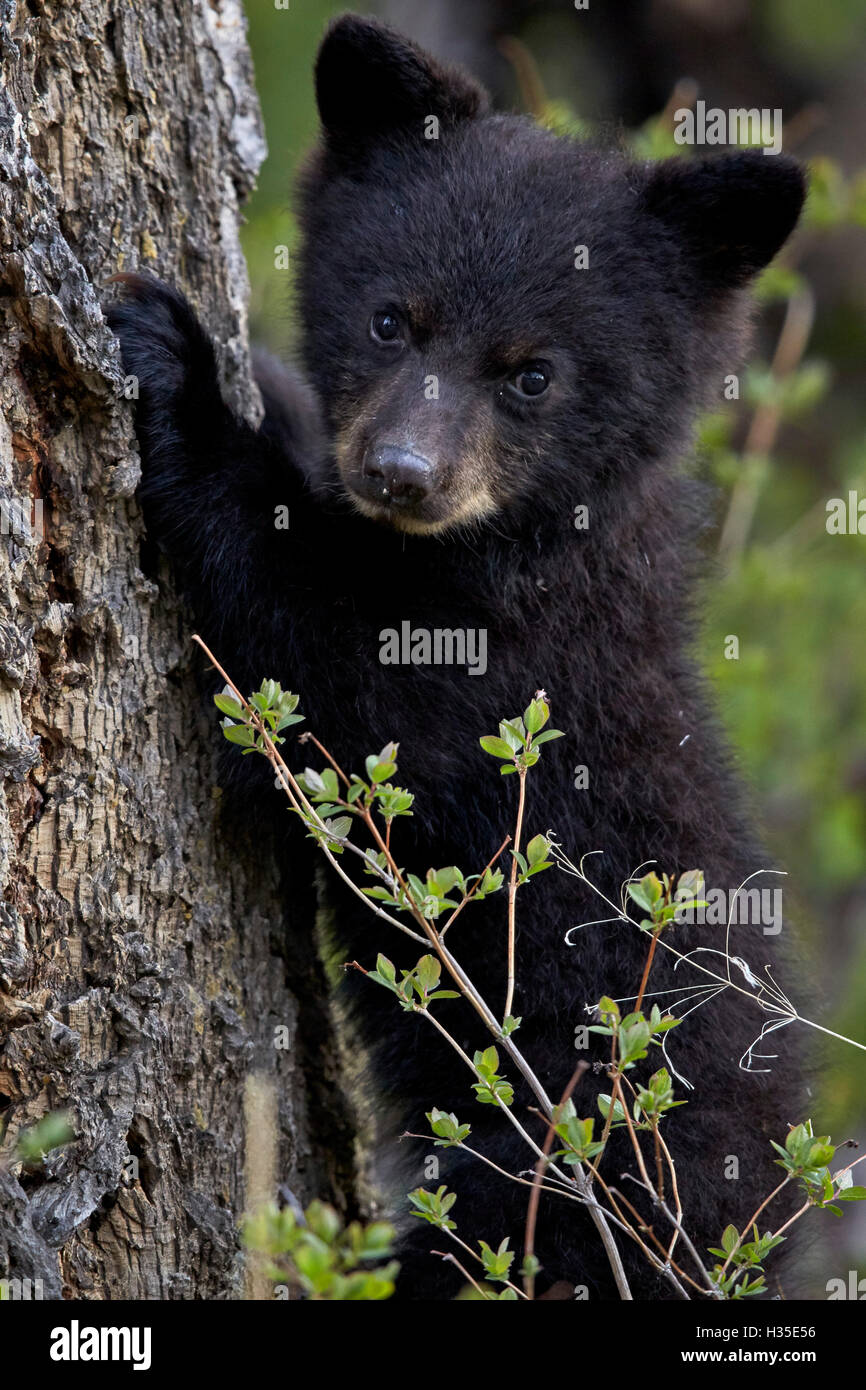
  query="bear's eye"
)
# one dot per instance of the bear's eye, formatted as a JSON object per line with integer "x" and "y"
{"x": 385, "y": 327}
{"x": 532, "y": 380}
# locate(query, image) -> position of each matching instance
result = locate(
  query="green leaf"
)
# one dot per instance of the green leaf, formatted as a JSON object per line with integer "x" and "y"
{"x": 690, "y": 884}
{"x": 603, "y": 1103}
{"x": 288, "y": 719}
{"x": 497, "y": 1093}
{"x": 536, "y": 715}
{"x": 513, "y": 733}
{"x": 608, "y": 1009}
{"x": 646, "y": 892}
{"x": 434, "y": 1206}
{"x": 312, "y": 781}
{"x": 496, "y": 1263}
{"x": 820, "y": 1154}
{"x": 490, "y": 883}
{"x": 49, "y": 1133}
{"x": 229, "y": 706}
{"x": 378, "y": 771}
{"x": 428, "y": 971}
{"x": 339, "y": 828}
{"x": 497, "y": 747}
{"x": 448, "y": 1128}
{"x": 537, "y": 849}
{"x": 778, "y": 282}
{"x": 239, "y": 733}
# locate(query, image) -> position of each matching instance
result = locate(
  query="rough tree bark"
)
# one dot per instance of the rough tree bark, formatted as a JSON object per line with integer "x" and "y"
{"x": 143, "y": 957}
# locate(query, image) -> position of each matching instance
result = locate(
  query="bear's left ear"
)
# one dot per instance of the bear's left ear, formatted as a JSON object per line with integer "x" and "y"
{"x": 732, "y": 212}
{"x": 370, "y": 80}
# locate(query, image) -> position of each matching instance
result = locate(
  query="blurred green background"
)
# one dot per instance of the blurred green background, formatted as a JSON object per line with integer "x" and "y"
{"x": 795, "y": 701}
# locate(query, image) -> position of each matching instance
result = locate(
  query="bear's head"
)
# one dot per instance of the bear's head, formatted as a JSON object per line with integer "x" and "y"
{"x": 499, "y": 319}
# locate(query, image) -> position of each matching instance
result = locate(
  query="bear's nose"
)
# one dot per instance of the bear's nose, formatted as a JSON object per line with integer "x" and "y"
{"x": 395, "y": 474}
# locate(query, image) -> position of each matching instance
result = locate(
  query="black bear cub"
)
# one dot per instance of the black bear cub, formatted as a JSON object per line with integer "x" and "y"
{"x": 505, "y": 333}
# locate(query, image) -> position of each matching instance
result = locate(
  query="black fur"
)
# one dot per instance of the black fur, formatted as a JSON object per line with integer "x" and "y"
{"x": 471, "y": 236}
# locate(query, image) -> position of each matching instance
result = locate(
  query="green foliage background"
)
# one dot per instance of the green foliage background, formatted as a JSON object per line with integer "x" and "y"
{"x": 795, "y": 596}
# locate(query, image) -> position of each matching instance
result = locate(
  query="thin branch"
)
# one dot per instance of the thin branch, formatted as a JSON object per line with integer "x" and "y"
{"x": 753, "y": 1218}
{"x": 480, "y": 879}
{"x": 452, "y": 1259}
{"x": 468, "y": 1248}
{"x": 503, "y": 1172}
{"x": 308, "y": 737}
{"x": 532, "y": 1209}
{"x": 765, "y": 424}
{"x": 666, "y": 1268}
{"x": 686, "y": 1239}
{"x": 512, "y": 892}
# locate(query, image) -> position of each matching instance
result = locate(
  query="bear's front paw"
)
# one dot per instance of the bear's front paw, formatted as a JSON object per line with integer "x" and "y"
{"x": 163, "y": 345}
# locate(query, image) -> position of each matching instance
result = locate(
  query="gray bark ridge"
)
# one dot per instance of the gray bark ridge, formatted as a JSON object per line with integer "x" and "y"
{"x": 143, "y": 974}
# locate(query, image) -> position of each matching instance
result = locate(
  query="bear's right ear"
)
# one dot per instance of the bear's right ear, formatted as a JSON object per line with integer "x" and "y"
{"x": 730, "y": 212}
{"x": 370, "y": 81}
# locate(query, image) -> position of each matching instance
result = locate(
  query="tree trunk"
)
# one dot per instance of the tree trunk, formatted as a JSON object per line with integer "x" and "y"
{"x": 143, "y": 970}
